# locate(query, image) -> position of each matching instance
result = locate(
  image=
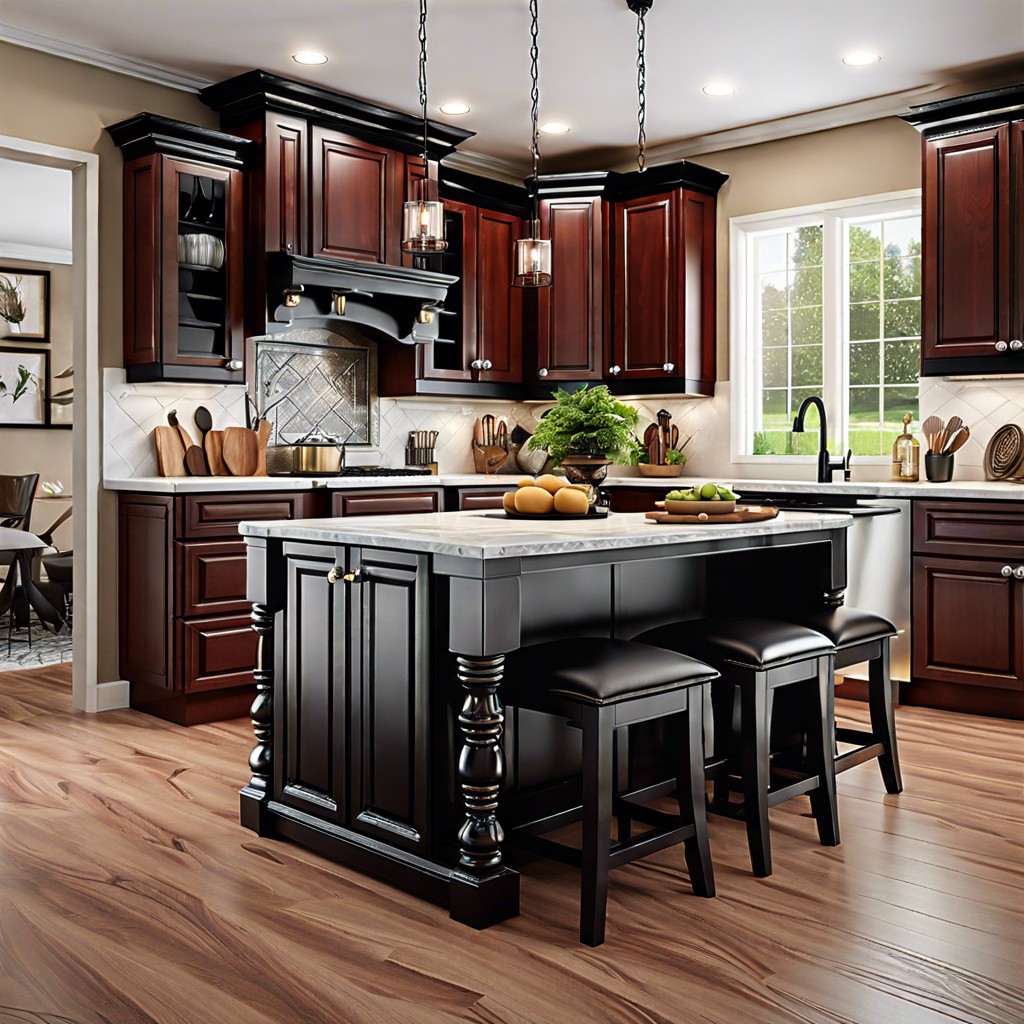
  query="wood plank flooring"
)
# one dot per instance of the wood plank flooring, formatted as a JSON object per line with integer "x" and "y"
{"x": 128, "y": 893}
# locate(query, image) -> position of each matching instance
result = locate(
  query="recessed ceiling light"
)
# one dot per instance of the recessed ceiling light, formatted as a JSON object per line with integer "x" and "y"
{"x": 861, "y": 58}
{"x": 555, "y": 128}
{"x": 309, "y": 57}
{"x": 718, "y": 89}
{"x": 455, "y": 107}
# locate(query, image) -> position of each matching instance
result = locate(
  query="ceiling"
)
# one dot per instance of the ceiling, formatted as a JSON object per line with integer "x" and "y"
{"x": 38, "y": 225}
{"x": 783, "y": 57}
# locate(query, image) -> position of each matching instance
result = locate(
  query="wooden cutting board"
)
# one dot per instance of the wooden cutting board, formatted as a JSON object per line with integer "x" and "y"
{"x": 241, "y": 451}
{"x": 170, "y": 452}
{"x": 213, "y": 445}
{"x": 743, "y": 514}
{"x": 262, "y": 437}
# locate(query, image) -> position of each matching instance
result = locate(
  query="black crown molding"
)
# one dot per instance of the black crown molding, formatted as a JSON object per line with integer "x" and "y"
{"x": 967, "y": 113}
{"x": 145, "y": 134}
{"x": 251, "y": 94}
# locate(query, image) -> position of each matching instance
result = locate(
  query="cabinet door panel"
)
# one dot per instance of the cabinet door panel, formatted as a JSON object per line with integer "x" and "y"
{"x": 211, "y": 578}
{"x": 143, "y": 260}
{"x": 697, "y": 320}
{"x": 499, "y": 305}
{"x": 966, "y": 250}
{"x": 312, "y": 707}
{"x": 973, "y": 529}
{"x": 376, "y": 504}
{"x": 353, "y": 198}
{"x": 217, "y": 653}
{"x": 968, "y": 623}
{"x": 1017, "y": 200}
{"x": 570, "y": 328}
{"x": 645, "y": 287}
{"x": 390, "y": 783}
{"x": 287, "y": 184}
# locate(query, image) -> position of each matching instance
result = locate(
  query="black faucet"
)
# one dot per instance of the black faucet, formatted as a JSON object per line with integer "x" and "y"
{"x": 826, "y": 464}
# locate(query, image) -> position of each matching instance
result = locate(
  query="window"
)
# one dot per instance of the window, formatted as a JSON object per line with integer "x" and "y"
{"x": 826, "y": 301}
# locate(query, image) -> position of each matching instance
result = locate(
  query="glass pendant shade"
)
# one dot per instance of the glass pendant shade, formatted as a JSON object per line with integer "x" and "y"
{"x": 423, "y": 226}
{"x": 532, "y": 263}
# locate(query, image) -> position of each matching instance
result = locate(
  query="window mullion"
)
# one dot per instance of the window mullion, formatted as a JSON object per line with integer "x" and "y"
{"x": 834, "y": 361}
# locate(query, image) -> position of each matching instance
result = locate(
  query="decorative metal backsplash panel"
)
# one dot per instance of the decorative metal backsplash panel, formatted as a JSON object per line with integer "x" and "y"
{"x": 318, "y": 380}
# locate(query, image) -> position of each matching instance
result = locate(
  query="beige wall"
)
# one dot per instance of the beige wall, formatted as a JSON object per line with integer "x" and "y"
{"x": 46, "y": 452}
{"x": 64, "y": 103}
{"x": 842, "y": 163}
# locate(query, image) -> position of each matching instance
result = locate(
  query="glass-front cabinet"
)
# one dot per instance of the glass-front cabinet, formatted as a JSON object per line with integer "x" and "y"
{"x": 183, "y": 253}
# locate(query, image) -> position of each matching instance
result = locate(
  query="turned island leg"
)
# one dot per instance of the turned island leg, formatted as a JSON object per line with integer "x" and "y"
{"x": 257, "y": 791}
{"x": 483, "y": 890}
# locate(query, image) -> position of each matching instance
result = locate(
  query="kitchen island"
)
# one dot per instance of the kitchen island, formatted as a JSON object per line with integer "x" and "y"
{"x": 381, "y": 740}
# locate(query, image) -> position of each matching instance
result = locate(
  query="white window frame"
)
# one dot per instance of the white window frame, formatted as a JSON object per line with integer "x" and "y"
{"x": 745, "y": 357}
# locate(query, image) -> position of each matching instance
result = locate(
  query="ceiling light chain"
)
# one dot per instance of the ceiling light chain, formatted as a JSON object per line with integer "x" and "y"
{"x": 423, "y": 73}
{"x": 641, "y": 87}
{"x": 534, "y": 97}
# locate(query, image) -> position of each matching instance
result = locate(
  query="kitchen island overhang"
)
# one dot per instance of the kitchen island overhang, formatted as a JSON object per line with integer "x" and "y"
{"x": 380, "y": 735}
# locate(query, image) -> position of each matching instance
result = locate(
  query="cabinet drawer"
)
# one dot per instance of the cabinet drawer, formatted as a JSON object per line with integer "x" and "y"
{"x": 211, "y": 577}
{"x": 217, "y": 652}
{"x": 972, "y": 529}
{"x": 375, "y": 503}
{"x": 482, "y": 499}
{"x": 205, "y": 516}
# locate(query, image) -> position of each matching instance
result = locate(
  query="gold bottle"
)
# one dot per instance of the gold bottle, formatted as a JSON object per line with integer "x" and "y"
{"x": 906, "y": 456}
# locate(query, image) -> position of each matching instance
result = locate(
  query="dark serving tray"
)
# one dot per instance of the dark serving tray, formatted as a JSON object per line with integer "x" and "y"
{"x": 594, "y": 513}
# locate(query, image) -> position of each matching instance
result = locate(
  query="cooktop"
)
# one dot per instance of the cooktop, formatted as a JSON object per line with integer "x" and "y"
{"x": 381, "y": 471}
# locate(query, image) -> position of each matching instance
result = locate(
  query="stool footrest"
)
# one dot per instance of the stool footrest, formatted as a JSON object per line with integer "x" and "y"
{"x": 852, "y": 758}
{"x": 648, "y": 843}
{"x": 858, "y": 736}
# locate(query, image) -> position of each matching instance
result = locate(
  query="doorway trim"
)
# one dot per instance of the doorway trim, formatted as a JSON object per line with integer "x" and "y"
{"x": 88, "y": 693}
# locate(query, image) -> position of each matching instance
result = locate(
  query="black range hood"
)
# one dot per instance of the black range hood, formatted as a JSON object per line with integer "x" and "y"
{"x": 402, "y": 303}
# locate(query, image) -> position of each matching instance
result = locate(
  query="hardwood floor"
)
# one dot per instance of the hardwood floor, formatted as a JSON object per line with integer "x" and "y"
{"x": 128, "y": 892}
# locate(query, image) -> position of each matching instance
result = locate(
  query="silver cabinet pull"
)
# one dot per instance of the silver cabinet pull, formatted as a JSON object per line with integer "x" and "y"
{"x": 669, "y": 367}
{"x": 1019, "y": 572}
{"x": 1006, "y": 571}
{"x": 542, "y": 372}
{"x": 615, "y": 370}
{"x": 477, "y": 364}
{"x": 234, "y": 364}
{"x": 487, "y": 364}
{"x": 1001, "y": 346}
{"x": 1016, "y": 345}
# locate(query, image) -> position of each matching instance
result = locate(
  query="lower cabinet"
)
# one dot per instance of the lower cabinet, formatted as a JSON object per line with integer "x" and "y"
{"x": 968, "y": 615}
{"x": 354, "y": 642}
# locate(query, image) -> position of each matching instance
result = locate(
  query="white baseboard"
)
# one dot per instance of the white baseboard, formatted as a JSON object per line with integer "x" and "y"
{"x": 111, "y": 696}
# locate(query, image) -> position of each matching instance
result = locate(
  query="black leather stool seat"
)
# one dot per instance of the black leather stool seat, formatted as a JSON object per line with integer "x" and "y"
{"x": 598, "y": 670}
{"x": 845, "y": 626}
{"x": 737, "y": 640}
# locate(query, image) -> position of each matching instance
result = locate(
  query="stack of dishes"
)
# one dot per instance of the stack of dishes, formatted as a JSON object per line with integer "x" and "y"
{"x": 200, "y": 250}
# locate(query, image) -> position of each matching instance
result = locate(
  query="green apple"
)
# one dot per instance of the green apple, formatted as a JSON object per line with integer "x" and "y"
{"x": 709, "y": 491}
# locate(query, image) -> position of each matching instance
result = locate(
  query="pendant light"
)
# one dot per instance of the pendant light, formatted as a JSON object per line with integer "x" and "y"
{"x": 533, "y": 254}
{"x": 423, "y": 217}
{"x": 640, "y": 9}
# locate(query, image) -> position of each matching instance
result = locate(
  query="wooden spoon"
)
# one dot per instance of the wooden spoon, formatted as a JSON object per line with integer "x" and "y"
{"x": 170, "y": 455}
{"x": 213, "y": 447}
{"x": 241, "y": 451}
{"x": 186, "y": 438}
{"x": 958, "y": 440}
{"x": 931, "y": 428}
{"x": 195, "y": 461}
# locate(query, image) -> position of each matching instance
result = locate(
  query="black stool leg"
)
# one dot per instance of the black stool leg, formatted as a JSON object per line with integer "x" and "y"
{"x": 755, "y": 730}
{"x": 598, "y": 746}
{"x": 821, "y": 753}
{"x": 690, "y": 789}
{"x": 624, "y": 831}
{"x": 883, "y": 720}
{"x": 723, "y": 701}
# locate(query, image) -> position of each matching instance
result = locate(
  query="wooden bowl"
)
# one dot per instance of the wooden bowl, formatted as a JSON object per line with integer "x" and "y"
{"x": 694, "y": 508}
{"x": 649, "y": 469}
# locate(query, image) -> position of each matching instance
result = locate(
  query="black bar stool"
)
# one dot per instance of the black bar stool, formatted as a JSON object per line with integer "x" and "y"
{"x": 863, "y": 636}
{"x": 599, "y": 685}
{"x": 757, "y": 657}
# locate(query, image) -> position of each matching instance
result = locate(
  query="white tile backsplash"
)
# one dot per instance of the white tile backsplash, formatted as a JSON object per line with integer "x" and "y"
{"x": 132, "y": 410}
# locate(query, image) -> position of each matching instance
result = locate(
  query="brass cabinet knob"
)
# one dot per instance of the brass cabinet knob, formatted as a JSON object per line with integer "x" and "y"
{"x": 334, "y": 575}
{"x": 353, "y": 576}
{"x": 1006, "y": 571}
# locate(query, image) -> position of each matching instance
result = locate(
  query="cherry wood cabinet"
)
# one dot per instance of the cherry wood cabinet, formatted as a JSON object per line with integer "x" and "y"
{"x": 390, "y": 503}
{"x": 499, "y": 306}
{"x": 183, "y": 306}
{"x": 968, "y": 607}
{"x": 355, "y": 665}
{"x": 664, "y": 292}
{"x": 972, "y": 233}
{"x": 572, "y": 314}
{"x": 357, "y": 193}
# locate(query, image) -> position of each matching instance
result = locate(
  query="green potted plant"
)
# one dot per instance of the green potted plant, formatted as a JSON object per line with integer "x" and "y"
{"x": 586, "y": 431}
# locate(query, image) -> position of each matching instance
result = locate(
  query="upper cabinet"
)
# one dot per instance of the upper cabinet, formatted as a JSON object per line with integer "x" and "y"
{"x": 973, "y": 249}
{"x": 183, "y": 251}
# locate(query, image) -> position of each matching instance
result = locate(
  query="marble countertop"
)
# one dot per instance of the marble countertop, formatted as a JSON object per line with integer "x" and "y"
{"x": 482, "y": 534}
{"x": 992, "y": 490}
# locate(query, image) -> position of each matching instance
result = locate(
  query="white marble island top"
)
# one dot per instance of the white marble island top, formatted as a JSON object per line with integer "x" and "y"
{"x": 490, "y": 534}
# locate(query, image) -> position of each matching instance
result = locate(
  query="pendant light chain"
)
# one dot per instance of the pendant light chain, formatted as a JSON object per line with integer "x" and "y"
{"x": 535, "y": 108}
{"x": 641, "y": 88}
{"x": 423, "y": 73}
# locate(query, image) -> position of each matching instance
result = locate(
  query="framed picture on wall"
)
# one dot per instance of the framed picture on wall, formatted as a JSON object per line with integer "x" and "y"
{"x": 24, "y": 387}
{"x": 24, "y": 304}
